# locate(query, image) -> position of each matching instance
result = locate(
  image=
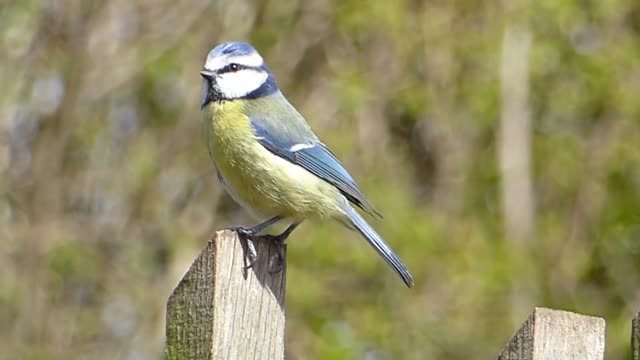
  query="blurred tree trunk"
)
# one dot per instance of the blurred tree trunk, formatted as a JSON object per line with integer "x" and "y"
{"x": 514, "y": 149}
{"x": 514, "y": 155}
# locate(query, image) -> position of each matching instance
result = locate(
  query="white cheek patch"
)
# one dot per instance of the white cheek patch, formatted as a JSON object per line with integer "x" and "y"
{"x": 240, "y": 83}
{"x": 217, "y": 63}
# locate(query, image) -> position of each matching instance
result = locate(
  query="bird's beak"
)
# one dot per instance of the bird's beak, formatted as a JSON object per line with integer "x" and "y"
{"x": 207, "y": 74}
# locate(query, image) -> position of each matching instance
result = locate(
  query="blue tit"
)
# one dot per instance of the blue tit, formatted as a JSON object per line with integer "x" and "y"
{"x": 268, "y": 158}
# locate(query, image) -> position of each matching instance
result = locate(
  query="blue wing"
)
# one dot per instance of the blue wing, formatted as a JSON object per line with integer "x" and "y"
{"x": 314, "y": 156}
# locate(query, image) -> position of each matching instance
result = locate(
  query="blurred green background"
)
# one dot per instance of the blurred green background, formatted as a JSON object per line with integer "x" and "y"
{"x": 500, "y": 140}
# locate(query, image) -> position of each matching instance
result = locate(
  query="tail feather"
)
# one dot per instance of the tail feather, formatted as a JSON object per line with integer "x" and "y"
{"x": 378, "y": 244}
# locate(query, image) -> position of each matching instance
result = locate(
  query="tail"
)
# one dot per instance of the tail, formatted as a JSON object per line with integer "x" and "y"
{"x": 356, "y": 221}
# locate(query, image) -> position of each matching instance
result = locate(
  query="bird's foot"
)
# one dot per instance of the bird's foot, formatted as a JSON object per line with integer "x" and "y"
{"x": 244, "y": 232}
{"x": 277, "y": 261}
{"x": 249, "y": 236}
{"x": 252, "y": 254}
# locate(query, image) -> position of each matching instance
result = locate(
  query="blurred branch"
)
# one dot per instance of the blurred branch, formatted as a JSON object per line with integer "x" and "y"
{"x": 112, "y": 62}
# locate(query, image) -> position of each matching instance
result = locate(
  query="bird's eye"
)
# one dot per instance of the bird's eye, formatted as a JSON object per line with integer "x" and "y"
{"x": 234, "y": 67}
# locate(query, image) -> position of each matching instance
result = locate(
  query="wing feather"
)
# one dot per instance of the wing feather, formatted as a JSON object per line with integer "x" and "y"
{"x": 316, "y": 158}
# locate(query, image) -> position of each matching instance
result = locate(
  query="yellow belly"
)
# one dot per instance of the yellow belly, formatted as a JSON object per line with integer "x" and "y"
{"x": 266, "y": 184}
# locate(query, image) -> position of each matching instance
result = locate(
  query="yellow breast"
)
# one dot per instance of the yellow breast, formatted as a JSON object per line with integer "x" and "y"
{"x": 264, "y": 183}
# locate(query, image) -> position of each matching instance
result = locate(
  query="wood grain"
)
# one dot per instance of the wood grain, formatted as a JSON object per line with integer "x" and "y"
{"x": 557, "y": 335}
{"x": 221, "y": 310}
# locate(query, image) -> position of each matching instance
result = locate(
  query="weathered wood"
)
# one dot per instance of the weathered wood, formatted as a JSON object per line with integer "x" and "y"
{"x": 557, "y": 335}
{"x": 635, "y": 338}
{"x": 221, "y": 310}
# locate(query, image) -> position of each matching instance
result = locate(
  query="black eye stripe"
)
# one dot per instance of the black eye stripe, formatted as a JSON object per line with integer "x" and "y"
{"x": 233, "y": 68}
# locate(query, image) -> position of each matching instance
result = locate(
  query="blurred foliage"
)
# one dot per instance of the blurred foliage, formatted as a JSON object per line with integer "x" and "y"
{"x": 107, "y": 192}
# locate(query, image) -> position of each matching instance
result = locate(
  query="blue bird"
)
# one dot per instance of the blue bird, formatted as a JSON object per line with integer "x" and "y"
{"x": 268, "y": 158}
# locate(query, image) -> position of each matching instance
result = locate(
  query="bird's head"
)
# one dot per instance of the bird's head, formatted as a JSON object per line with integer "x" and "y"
{"x": 235, "y": 70}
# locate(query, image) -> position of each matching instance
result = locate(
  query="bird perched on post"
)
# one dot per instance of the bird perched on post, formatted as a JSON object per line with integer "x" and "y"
{"x": 268, "y": 158}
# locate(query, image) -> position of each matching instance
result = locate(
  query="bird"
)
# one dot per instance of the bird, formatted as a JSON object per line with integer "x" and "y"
{"x": 269, "y": 159}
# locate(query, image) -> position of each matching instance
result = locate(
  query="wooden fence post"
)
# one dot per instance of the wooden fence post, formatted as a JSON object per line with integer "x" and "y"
{"x": 557, "y": 335}
{"x": 635, "y": 338}
{"x": 221, "y": 310}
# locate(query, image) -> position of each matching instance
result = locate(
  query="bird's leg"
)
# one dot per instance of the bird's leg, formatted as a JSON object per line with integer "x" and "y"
{"x": 253, "y": 231}
{"x": 250, "y": 234}
{"x": 277, "y": 262}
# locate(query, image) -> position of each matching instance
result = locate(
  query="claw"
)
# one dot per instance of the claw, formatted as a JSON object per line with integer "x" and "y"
{"x": 247, "y": 233}
{"x": 252, "y": 254}
{"x": 277, "y": 261}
